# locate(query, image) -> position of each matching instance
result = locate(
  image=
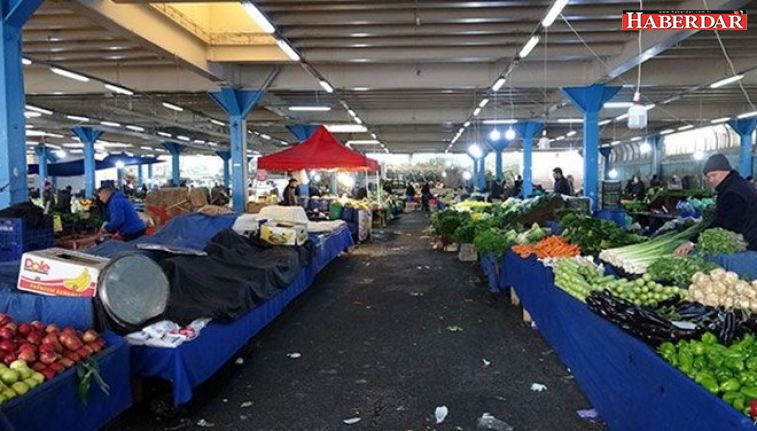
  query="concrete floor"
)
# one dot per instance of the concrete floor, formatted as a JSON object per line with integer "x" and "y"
{"x": 387, "y": 334}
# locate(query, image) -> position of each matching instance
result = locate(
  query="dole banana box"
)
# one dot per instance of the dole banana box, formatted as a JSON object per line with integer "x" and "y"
{"x": 284, "y": 233}
{"x": 60, "y": 272}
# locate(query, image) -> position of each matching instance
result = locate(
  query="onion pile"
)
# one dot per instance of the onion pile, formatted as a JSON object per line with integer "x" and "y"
{"x": 723, "y": 288}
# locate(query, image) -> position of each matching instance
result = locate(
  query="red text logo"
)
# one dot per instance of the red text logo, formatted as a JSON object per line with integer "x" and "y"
{"x": 684, "y": 20}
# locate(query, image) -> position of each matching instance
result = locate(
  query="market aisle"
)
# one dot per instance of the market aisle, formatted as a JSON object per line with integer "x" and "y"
{"x": 387, "y": 334}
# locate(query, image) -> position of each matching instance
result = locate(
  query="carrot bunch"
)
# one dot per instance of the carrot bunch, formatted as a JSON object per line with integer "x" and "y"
{"x": 551, "y": 246}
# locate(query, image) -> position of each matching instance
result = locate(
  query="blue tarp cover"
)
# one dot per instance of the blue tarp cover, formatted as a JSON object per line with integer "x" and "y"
{"x": 192, "y": 363}
{"x": 75, "y": 168}
{"x": 631, "y": 386}
{"x": 744, "y": 264}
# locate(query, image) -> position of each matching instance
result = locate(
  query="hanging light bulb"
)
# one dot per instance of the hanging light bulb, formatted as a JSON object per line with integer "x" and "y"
{"x": 543, "y": 143}
{"x": 475, "y": 151}
{"x": 510, "y": 134}
{"x": 494, "y": 135}
{"x": 467, "y": 175}
{"x": 613, "y": 174}
{"x": 645, "y": 147}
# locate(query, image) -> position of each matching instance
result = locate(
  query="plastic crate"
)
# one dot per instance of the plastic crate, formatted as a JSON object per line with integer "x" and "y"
{"x": 16, "y": 238}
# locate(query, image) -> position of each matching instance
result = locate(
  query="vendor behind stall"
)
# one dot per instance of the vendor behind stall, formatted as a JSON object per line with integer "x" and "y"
{"x": 562, "y": 186}
{"x": 120, "y": 215}
{"x": 736, "y": 205}
{"x": 291, "y": 194}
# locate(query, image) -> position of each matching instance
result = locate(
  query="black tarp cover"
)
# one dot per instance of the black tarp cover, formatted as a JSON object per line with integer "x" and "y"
{"x": 237, "y": 274}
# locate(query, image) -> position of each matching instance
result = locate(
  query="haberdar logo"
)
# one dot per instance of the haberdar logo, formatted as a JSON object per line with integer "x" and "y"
{"x": 685, "y": 20}
{"x": 36, "y": 266}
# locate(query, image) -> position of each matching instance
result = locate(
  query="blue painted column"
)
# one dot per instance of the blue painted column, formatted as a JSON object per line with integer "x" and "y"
{"x": 527, "y": 130}
{"x": 13, "y": 187}
{"x": 498, "y": 147}
{"x": 745, "y": 127}
{"x": 149, "y": 172}
{"x": 225, "y": 156}
{"x": 656, "y": 143}
{"x": 237, "y": 104}
{"x": 88, "y": 136}
{"x": 175, "y": 149}
{"x": 140, "y": 175}
{"x": 302, "y": 131}
{"x": 482, "y": 168}
{"x": 42, "y": 153}
{"x": 474, "y": 176}
{"x": 590, "y": 100}
{"x": 605, "y": 152}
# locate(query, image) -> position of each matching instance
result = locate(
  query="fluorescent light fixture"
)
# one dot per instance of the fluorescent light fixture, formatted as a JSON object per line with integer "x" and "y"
{"x": 258, "y": 17}
{"x": 476, "y": 112}
{"x": 68, "y": 74}
{"x": 617, "y": 105}
{"x": 373, "y": 135}
{"x": 165, "y": 135}
{"x": 74, "y": 145}
{"x": 498, "y": 84}
{"x": 135, "y": 128}
{"x": 358, "y": 120}
{"x": 217, "y": 122}
{"x": 508, "y": 121}
{"x": 553, "y": 12}
{"x": 199, "y": 141}
{"x": 25, "y": 61}
{"x": 288, "y": 50}
{"x": 605, "y": 122}
{"x": 666, "y": 131}
{"x": 352, "y": 113}
{"x": 570, "y": 120}
{"x": 747, "y": 115}
{"x": 528, "y": 47}
{"x": 483, "y": 103}
{"x": 146, "y": 148}
{"x": 78, "y": 118}
{"x": 119, "y": 90}
{"x": 110, "y": 124}
{"x": 120, "y": 164}
{"x": 650, "y": 106}
{"x": 32, "y": 114}
{"x": 310, "y": 108}
{"x": 346, "y": 128}
{"x": 212, "y": 144}
{"x": 160, "y": 150}
{"x": 720, "y": 120}
{"x": 183, "y": 138}
{"x": 76, "y": 151}
{"x": 264, "y": 136}
{"x": 35, "y": 133}
{"x": 726, "y": 81}
{"x": 360, "y": 88}
{"x": 621, "y": 117}
{"x": 38, "y": 109}
{"x": 571, "y": 133}
{"x": 636, "y": 138}
{"x": 467, "y": 123}
{"x": 614, "y": 142}
{"x": 326, "y": 86}
{"x": 172, "y": 107}
{"x": 282, "y": 142}
{"x": 559, "y": 138}
{"x": 364, "y": 142}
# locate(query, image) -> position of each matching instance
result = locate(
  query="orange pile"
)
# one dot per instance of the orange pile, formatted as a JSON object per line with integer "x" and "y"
{"x": 552, "y": 246}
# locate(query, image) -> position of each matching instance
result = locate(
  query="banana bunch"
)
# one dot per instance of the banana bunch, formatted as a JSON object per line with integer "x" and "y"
{"x": 80, "y": 283}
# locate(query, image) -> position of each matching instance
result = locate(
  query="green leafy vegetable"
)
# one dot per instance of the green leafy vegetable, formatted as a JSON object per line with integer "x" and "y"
{"x": 720, "y": 241}
{"x": 678, "y": 269}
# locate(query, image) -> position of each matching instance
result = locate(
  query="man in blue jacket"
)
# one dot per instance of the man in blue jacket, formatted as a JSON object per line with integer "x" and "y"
{"x": 120, "y": 215}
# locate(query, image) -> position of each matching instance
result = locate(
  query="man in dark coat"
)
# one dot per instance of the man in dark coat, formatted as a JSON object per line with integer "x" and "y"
{"x": 562, "y": 186}
{"x": 736, "y": 205}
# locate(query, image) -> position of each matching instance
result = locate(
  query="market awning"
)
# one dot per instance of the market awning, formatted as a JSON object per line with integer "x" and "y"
{"x": 320, "y": 151}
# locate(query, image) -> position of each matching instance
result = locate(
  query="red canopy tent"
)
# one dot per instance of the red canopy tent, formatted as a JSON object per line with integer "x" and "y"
{"x": 320, "y": 151}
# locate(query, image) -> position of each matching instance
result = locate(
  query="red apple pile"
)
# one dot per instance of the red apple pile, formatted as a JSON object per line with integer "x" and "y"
{"x": 47, "y": 349}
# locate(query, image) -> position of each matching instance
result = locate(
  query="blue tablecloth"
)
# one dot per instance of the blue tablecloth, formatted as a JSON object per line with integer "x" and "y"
{"x": 192, "y": 363}
{"x": 744, "y": 264}
{"x": 56, "y": 404}
{"x": 631, "y": 387}
{"x": 618, "y": 216}
{"x": 494, "y": 268}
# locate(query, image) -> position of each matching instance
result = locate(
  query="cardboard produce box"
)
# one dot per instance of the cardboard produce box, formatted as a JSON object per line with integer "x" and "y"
{"x": 284, "y": 233}
{"x": 60, "y": 272}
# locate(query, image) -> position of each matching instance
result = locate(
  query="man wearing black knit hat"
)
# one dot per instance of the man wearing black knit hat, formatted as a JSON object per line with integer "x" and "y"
{"x": 736, "y": 206}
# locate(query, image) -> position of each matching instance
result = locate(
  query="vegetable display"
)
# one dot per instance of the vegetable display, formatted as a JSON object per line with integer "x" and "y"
{"x": 594, "y": 235}
{"x": 494, "y": 241}
{"x": 635, "y": 259}
{"x": 552, "y": 246}
{"x": 33, "y": 352}
{"x": 720, "y": 241}
{"x": 729, "y": 372}
{"x": 678, "y": 270}
{"x": 579, "y": 278}
{"x": 721, "y": 288}
{"x": 643, "y": 291}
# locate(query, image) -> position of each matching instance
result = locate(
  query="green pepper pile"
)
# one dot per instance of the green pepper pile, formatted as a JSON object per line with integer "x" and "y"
{"x": 730, "y": 372}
